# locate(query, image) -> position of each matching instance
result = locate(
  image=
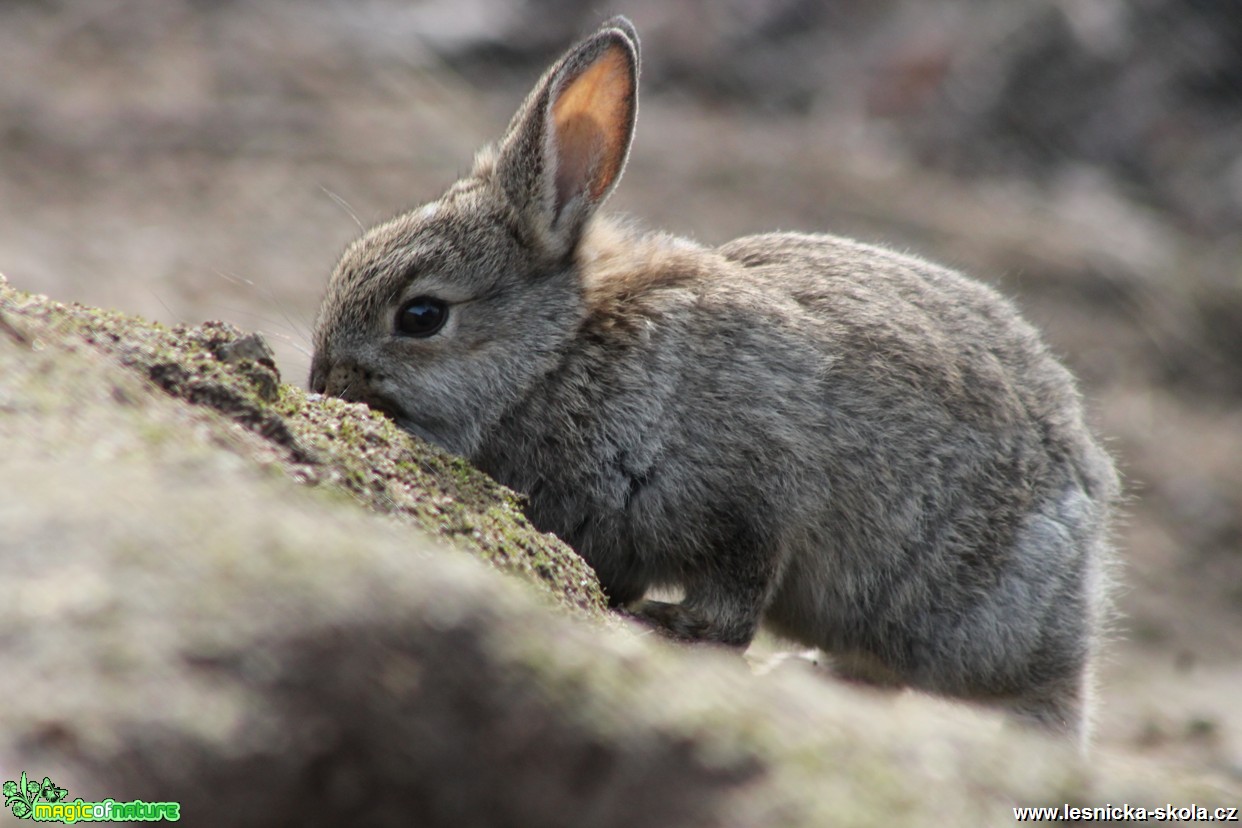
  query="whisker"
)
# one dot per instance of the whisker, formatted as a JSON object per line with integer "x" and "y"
{"x": 293, "y": 343}
{"x": 171, "y": 313}
{"x": 344, "y": 205}
{"x": 256, "y": 316}
{"x": 290, "y": 323}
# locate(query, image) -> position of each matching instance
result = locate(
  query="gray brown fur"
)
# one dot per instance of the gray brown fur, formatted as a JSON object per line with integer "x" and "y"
{"x": 872, "y": 454}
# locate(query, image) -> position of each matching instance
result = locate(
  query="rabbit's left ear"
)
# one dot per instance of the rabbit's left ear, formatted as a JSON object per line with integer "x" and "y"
{"x": 566, "y": 147}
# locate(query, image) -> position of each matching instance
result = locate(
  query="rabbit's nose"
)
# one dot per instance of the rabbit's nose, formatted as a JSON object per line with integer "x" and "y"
{"x": 346, "y": 379}
{"x": 318, "y": 381}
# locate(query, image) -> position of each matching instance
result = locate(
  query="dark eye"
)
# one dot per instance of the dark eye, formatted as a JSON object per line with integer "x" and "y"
{"x": 421, "y": 316}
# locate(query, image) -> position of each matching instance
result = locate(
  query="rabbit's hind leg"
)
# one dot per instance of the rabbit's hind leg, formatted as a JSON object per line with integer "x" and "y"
{"x": 719, "y": 609}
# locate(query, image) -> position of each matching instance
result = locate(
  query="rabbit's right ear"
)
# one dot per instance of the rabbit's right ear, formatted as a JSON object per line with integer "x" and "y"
{"x": 566, "y": 147}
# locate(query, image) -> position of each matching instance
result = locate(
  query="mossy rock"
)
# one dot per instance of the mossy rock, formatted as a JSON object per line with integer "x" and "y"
{"x": 317, "y": 441}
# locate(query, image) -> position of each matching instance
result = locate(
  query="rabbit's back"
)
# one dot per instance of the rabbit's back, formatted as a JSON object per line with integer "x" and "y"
{"x": 906, "y": 340}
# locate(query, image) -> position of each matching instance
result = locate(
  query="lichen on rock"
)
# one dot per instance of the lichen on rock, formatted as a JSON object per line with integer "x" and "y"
{"x": 321, "y": 441}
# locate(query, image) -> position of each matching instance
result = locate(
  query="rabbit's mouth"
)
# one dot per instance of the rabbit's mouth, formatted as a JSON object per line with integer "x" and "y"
{"x": 390, "y": 409}
{"x": 383, "y": 405}
{"x": 410, "y": 427}
{"x": 386, "y": 407}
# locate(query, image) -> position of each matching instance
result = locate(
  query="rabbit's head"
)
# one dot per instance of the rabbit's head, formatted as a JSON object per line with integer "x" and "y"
{"x": 444, "y": 315}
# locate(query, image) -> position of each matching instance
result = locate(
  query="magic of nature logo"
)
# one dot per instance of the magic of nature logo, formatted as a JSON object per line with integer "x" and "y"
{"x": 48, "y": 802}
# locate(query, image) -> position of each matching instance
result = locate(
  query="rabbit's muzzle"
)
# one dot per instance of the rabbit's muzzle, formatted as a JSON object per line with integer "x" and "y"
{"x": 351, "y": 382}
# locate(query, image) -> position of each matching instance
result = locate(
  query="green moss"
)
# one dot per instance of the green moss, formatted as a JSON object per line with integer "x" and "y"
{"x": 324, "y": 442}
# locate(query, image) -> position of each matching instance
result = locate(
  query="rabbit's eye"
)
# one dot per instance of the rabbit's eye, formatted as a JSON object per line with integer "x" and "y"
{"x": 421, "y": 316}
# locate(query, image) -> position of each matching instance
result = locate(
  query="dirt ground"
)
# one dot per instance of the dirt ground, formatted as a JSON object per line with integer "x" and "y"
{"x": 186, "y": 162}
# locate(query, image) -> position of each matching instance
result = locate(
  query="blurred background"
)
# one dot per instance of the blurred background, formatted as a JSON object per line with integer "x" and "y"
{"x": 209, "y": 159}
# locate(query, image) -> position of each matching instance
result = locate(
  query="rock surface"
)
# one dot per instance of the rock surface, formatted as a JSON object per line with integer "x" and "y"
{"x": 185, "y": 620}
{"x": 343, "y": 446}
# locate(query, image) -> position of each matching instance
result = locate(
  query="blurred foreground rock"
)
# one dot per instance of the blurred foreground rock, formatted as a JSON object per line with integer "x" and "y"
{"x": 183, "y": 620}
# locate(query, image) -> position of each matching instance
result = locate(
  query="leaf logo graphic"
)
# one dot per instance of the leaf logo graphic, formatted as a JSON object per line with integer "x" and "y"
{"x": 21, "y": 796}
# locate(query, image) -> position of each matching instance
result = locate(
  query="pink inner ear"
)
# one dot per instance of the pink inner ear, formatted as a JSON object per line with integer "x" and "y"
{"x": 579, "y": 141}
{"x": 591, "y": 120}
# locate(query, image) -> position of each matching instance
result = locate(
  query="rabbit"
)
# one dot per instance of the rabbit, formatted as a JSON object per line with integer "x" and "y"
{"x": 870, "y": 454}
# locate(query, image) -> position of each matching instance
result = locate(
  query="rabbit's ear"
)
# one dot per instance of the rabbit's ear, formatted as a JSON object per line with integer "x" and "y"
{"x": 622, "y": 24}
{"x": 566, "y": 147}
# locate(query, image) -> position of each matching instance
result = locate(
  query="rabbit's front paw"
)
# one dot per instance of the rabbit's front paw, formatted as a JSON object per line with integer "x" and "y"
{"x": 682, "y": 623}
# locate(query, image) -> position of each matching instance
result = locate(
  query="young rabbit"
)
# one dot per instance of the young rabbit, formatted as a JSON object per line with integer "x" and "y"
{"x": 872, "y": 454}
